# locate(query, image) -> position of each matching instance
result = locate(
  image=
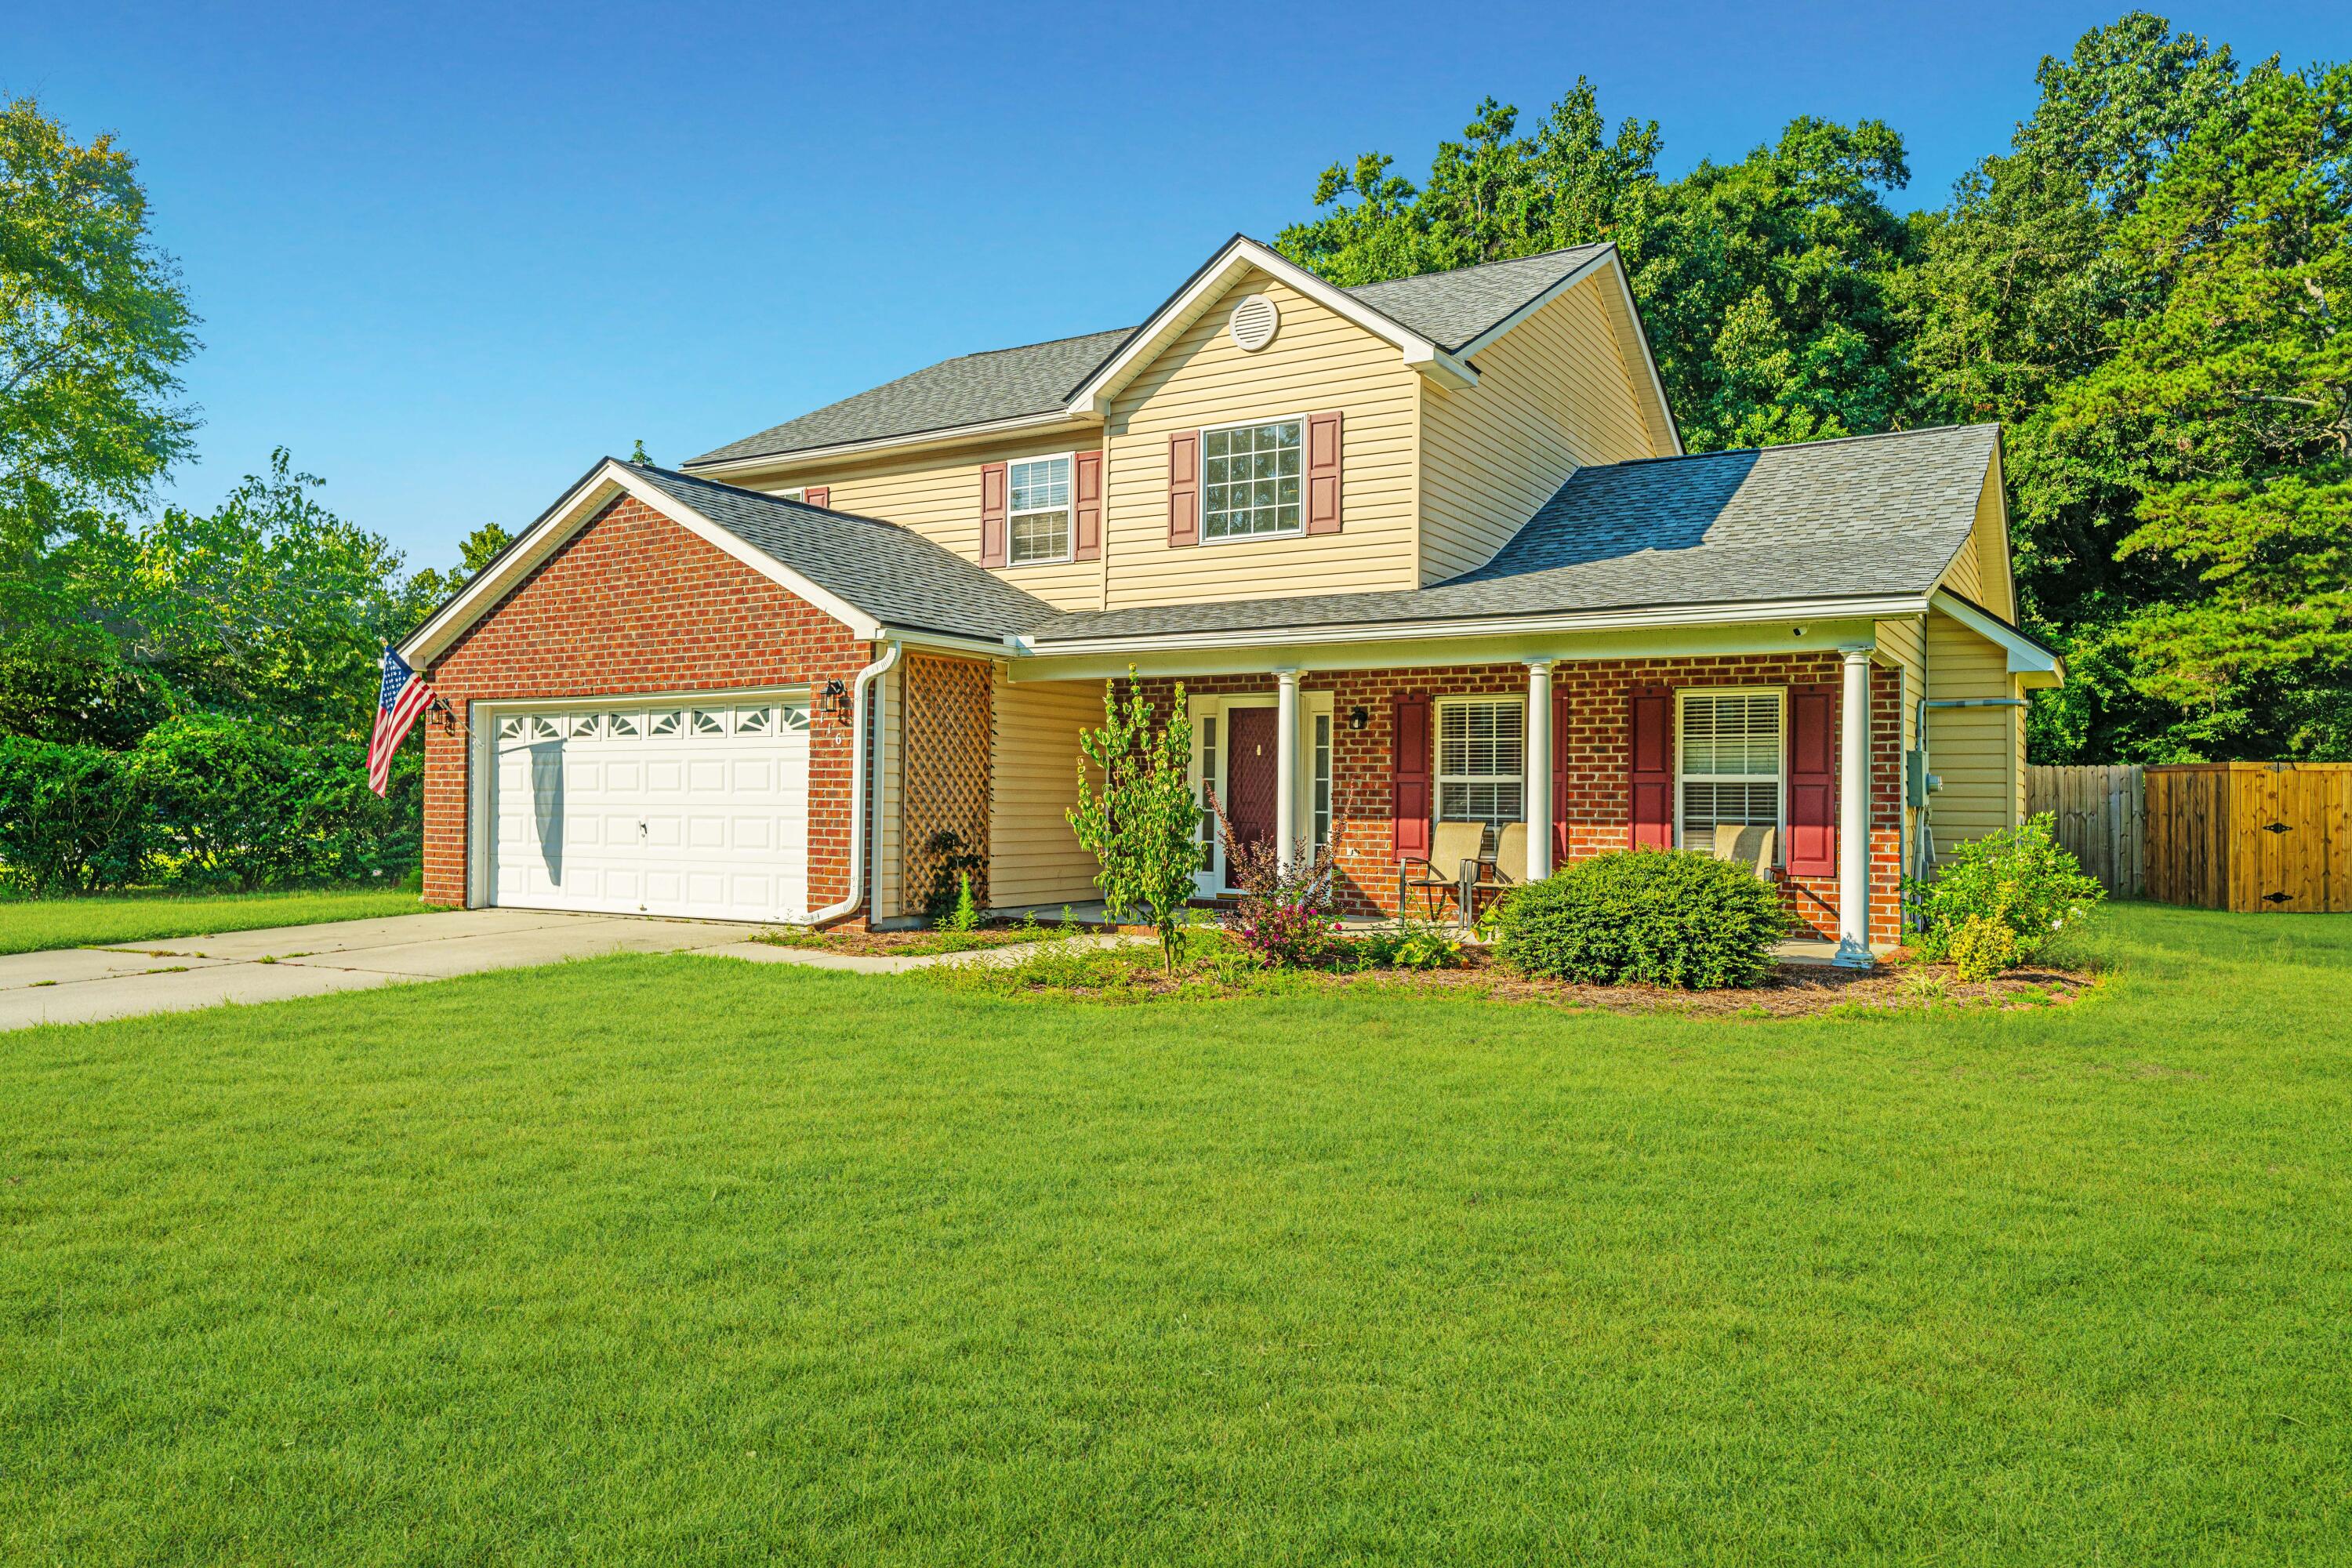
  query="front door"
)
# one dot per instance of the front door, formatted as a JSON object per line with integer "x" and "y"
{"x": 1250, "y": 776}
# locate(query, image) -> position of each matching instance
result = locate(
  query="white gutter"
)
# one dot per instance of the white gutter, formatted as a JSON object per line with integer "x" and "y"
{"x": 857, "y": 850}
{"x": 1800, "y": 610}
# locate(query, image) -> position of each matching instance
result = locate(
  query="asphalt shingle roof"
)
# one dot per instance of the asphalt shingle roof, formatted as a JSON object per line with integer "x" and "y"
{"x": 1451, "y": 309}
{"x": 893, "y": 573}
{"x": 973, "y": 389}
{"x": 1865, "y": 516}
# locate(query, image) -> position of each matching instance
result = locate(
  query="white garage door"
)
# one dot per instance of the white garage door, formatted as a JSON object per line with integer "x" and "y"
{"x": 657, "y": 809}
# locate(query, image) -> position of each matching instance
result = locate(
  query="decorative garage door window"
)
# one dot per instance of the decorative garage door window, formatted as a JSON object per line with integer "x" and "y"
{"x": 1730, "y": 755}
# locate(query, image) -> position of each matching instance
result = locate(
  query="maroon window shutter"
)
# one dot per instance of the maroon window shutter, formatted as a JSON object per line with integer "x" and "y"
{"x": 1412, "y": 783}
{"x": 1323, "y": 473}
{"x": 1813, "y": 781}
{"x": 1559, "y": 719}
{"x": 1086, "y": 497}
{"x": 1184, "y": 487}
{"x": 992, "y": 515}
{"x": 818, "y": 495}
{"x": 1653, "y": 781}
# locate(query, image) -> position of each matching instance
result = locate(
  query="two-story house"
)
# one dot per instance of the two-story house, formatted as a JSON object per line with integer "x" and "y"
{"x": 1419, "y": 552}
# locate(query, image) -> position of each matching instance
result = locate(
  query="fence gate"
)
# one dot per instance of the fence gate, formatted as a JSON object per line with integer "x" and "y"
{"x": 2251, "y": 836}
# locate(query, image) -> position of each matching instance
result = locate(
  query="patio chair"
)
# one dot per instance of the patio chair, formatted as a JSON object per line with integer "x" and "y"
{"x": 1449, "y": 846}
{"x": 1507, "y": 870}
{"x": 1756, "y": 845}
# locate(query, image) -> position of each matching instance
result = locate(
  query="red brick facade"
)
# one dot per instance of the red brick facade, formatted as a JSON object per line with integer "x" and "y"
{"x": 634, "y": 604}
{"x": 1597, "y": 804}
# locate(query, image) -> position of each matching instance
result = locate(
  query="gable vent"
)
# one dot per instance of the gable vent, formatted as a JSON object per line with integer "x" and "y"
{"x": 1254, "y": 319}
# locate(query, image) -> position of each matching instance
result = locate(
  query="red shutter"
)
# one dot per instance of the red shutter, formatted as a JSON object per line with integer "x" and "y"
{"x": 992, "y": 515}
{"x": 1085, "y": 499}
{"x": 1559, "y": 720}
{"x": 1323, "y": 473}
{"x": 1412, "y": 785}
{"x": 1184, "y": 487}
{"x": 1813, "y": 781}
{"x": 1651, "y": 719}
{"x": 818, "y": 495}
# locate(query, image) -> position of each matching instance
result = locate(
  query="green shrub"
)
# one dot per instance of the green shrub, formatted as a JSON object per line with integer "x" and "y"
{"x": 1409, "y": 945}
{"x": 232, "y": 805}
{"x": 71, "y": 820}
{"x": 1645, "y": 917}
{"x": 1982, "y": 946}
{"x": 2021, "y": 877}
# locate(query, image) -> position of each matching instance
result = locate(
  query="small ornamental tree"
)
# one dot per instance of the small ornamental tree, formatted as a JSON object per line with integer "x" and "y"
{"x": 1140, "y": 823}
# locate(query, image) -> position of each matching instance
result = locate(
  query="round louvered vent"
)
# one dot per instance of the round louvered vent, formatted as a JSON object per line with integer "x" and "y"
{"x": 1253, "y": 321}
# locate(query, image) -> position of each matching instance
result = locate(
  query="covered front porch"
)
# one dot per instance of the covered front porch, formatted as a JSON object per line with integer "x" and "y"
{"x": 1586, "y": 746}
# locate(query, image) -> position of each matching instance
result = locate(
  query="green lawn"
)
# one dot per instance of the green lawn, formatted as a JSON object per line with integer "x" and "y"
{"x": 670, "y": 1259}
{"x": 33, "y": 925}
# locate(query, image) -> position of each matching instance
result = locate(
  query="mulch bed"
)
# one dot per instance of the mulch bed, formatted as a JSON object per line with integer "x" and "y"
{"x": 1796, "y": 990}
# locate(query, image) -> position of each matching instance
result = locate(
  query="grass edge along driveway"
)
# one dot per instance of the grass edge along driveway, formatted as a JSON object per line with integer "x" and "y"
{"x": 39, "y": 925}
{"x": 681, "y": 1259}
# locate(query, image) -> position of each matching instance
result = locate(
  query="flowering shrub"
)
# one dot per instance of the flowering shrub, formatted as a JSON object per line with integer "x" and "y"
{"x": 1285, "y": 917}
{"x": 2021, "y": 879}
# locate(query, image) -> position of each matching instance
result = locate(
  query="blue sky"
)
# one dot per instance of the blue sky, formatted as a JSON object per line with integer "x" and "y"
{"x": 450, "y": 255}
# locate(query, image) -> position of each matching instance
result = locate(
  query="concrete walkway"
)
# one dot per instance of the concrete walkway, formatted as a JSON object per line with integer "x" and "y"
{"x": 83, "y": 985}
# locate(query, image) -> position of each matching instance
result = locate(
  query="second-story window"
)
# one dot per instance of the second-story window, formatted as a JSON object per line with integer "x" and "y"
{"x": 1249, "y": 474}
{"x": 1039, "y": 515}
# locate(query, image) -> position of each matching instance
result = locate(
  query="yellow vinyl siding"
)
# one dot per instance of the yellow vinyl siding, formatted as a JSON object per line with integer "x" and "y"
{"x": 937, "y": 495}
{"x": 1033, "y": 856}
{"x": 1554, "y": 394}
{"x": 1979, "y": 753}
{"x": 1316, "y": 362}
{"x": 1981, "y": 572}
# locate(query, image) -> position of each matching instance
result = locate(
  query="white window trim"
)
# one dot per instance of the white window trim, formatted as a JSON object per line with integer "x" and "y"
{"x": 1070, "y": 539}
{"x": 1437, "y": 774}
{"x": 1200, "y": 480}
{"x": 796, "y": 493}
{"x": 1780, "y": 827}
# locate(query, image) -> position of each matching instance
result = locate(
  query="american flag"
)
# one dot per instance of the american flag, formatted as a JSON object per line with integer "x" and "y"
{"x": 403, "y": 699}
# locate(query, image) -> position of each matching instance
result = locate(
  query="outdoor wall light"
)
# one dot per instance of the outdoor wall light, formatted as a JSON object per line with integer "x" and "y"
{"x": 1359, "y": 718}
{"x": 837, "y": 697}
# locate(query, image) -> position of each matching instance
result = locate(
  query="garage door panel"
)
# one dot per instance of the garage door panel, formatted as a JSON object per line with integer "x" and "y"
{"x": 698, "y": 812}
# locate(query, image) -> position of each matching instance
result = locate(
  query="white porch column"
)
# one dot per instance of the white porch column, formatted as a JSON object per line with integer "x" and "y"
{"x": 1539, "y": 743}
{"x": 1286, "y": 766}
{"x": 1853, "y": 813}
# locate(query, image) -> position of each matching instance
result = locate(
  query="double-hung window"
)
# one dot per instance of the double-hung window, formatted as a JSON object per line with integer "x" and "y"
{"x": 1730, "y": 754}
{"x": 1482, "y": 748}
{"x": 1039, "y": 516}
{"x": 1250, "y": 479}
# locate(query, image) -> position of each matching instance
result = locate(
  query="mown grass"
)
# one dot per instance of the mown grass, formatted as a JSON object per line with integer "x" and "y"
{"x": 684, "y": 1260}
{"x": 34, "y": 925}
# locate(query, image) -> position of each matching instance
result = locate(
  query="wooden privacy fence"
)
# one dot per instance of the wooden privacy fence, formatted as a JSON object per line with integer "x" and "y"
{"x": 2250, "y": 836}
{"x": 2102, "y": 816}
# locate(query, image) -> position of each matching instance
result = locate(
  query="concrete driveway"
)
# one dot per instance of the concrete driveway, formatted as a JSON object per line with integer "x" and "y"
{"x": 76, "y": 985}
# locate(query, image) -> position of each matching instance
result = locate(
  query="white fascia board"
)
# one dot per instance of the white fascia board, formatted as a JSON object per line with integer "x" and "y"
{"x": 2026, "y": 657}
{"x": 1795, "y": 610}
{"x": 948, "y": 642}
{"x": 1240, "y": 254}
{"x": 952, "y": 437}
{"x": 568, "y": 516}
{"x": 1470, "y": 351}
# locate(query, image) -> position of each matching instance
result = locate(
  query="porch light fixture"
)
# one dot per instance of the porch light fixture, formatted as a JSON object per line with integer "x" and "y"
{"x": 836, "y": 699}
{"x": 1359, "y": 718}
{"x": 440, "y": 705}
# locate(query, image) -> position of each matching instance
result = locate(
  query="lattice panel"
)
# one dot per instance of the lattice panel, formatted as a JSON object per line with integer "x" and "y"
{"x": 949, "y": 722}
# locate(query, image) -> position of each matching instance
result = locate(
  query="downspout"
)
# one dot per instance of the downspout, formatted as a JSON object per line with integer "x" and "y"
{"x": 860, "y": 734}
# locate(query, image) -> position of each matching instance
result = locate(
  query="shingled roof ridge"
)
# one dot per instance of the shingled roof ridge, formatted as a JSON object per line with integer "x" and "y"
{"x": 1787, "y": 445}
